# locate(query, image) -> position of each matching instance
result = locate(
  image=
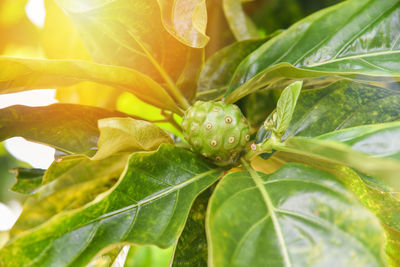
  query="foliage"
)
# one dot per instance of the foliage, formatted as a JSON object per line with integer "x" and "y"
{"x": 316, "y": 185}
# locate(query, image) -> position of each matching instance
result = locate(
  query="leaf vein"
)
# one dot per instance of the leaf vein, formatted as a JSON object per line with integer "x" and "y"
{"x": 247, "y": 233}
{"x": 362, "y": 30}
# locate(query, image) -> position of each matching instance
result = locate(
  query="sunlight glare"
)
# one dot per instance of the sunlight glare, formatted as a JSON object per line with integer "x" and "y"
{"x": 10, "y": 213}
{"x": 38, "y": 156}
{"x": 33, "y": 98}
{"x": 36, "y": 12}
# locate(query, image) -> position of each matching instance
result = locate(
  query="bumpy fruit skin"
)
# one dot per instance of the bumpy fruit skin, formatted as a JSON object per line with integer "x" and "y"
{"x": 217, "y": 130}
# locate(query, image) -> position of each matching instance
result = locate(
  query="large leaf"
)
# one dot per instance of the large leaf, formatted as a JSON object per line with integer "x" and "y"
{"x": 383, "y": 203}
{"x": 352, "y": 38}
{"x": 19, "y": 74}
{"x": 67, "y": 127}
{"x": 131, "y": 34}
{"x": 341, "y": 105}
{"x": 128, "y": 135}
{"x": 297, "y": 216}
{"x": 380, "y": 140}
{"x": 149, "y": 205}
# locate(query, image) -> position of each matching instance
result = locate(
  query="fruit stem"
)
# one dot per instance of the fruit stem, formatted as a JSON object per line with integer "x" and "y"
{"x": 264, "y": 147}
{"x": 170, "y": 118}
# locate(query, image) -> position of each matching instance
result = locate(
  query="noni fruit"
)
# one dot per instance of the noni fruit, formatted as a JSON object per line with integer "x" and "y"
{"x": 217, "y": 130}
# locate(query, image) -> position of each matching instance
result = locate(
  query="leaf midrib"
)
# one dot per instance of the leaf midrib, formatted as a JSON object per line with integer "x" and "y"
{"x": 157, "y": 195}
{"x": 352, "y": 57}
{"x": 260, "y": 185}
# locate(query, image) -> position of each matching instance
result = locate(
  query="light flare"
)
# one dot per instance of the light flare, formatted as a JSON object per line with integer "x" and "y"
{"x": 38, "y": 156}
{"x": 36, "y": 12}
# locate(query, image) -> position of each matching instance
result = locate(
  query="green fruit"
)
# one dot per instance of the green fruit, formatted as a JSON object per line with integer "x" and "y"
{"x": 217, "y": 130}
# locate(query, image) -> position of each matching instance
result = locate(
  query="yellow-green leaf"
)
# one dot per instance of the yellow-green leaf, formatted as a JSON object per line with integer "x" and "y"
{"x": 19, "y": 74}
{"x": 128, "y": 135}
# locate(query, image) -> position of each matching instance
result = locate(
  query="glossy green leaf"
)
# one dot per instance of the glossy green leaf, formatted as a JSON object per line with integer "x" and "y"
{"x": 381, "y": 201}
{"x": 148, "y": 205}
{"x": 357, "y": 37}
{"x": 341, "y": 105}
{"x": 191, "y": 249}
{"x": 297, "y": 216}
{"x": 67, "y": 127}
{"x": 18, "y": 74}
{"x": 186, "y": 20}
{"x": 123, "y": 33}
{"x": 148, "y": 256}
{"x": 219, "y": 68}
{"x": 286, "y": 105}
{"x": 240, "y": 24}
{"x": 342, "y": 154}
{"x": 379, "y": 140}
{"x": 69, "y": 183}
{"x": 28, "y": 180}
{"x": 128, "y": 135}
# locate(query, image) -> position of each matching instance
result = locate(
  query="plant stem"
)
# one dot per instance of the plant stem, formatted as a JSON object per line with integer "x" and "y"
{"x": 173, "y": 89}
{"x": 170, "y": 118}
